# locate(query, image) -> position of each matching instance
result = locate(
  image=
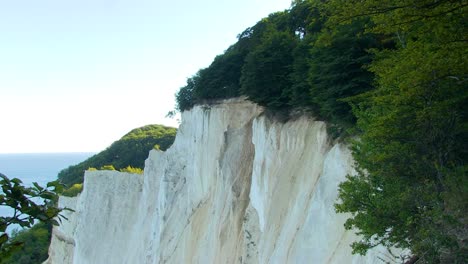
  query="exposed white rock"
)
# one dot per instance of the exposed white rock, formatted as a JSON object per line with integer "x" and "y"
{"x": 62, "y": 244}
{"x": 235, "y": 187}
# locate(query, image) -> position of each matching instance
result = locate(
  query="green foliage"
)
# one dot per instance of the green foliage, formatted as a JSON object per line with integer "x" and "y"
{"x": 337, "y": 71}
{"x": 265, "y": 74}
{"x": 74, "y": 190}
{"x": 395, "y": 72}
{"x": 131, "y": 150}
{"x": 108, "y": 167}
{"x": 305, "y": 22}
{"x": 221, "y": 78}
{"x": 411, "y": 187}
{"x": 130, "y": 169}
{"x": 29, "y": 204}
{"x": 282, "y": 63}
{"x": 184, "y": 97}
{"x": 35, "y": 243}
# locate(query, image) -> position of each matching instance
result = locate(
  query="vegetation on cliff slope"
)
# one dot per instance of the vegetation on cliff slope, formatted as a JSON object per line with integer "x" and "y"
{"x": 411, "y": 189}
{"x": 391, "y": 72}
{"x": 128, "y": 152}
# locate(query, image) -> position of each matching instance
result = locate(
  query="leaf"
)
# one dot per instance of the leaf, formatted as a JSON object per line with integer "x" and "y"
{"x": 3, "y": 238}
{"x": 38, "y": 187}
{"x": 16, "y": 181}
{"x": 54, "y": 222}
{"x": 3, "y": 224}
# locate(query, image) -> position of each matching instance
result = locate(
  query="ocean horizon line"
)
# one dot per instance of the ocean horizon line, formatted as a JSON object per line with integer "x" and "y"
{"x": 51, "y": 153}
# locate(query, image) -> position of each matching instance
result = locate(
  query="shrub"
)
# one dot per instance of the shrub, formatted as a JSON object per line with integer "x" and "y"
{"x": 131, "y": 169}
{"x": 74, "y": 190}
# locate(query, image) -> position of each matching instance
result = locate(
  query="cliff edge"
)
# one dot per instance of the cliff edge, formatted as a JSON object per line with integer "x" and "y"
{"x": 235, "y": 187}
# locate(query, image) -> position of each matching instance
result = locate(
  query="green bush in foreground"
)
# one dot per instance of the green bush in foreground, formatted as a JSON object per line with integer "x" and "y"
{"x": 27, "y": 205}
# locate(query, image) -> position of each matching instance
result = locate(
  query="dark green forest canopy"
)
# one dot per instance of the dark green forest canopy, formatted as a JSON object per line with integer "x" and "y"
{"x": 283, "y": 63}
{"x": 131, "y": 150}
{"x": 392, "y": 73}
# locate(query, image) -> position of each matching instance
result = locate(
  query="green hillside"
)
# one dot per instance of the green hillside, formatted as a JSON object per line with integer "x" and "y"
{"x": 131, "y": 150}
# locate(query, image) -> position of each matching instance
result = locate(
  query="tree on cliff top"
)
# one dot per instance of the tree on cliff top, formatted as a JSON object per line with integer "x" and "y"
{"x": 278, "y": 63}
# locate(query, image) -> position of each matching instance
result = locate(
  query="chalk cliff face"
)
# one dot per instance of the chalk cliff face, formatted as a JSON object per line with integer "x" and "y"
{"x": 236, "y": 187}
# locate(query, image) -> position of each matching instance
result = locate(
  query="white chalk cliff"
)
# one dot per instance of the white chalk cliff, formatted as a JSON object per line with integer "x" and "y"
{"x": 235, "y": 187}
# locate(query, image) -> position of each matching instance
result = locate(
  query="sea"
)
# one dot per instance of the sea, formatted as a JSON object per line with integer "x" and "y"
{"x": 37, "y": 167}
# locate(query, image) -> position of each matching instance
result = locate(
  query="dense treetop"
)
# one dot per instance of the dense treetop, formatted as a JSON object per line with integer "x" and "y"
{"x": 283, "y": 63}
{"x": 131, "y": 150}
{"x": 393, "y": 74}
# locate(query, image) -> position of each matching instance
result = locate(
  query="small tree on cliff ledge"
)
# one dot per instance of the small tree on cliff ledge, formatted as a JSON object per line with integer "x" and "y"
{"x": 28, "y": 205}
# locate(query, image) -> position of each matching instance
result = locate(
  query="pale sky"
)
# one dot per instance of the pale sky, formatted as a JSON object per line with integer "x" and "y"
{"x": 76, "y": 75}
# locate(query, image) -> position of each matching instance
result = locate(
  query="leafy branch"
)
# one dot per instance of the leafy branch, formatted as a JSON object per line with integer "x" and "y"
{"x": 29, "y": 205}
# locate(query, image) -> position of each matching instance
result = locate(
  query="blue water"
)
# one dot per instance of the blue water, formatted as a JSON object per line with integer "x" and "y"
{"x": 37, "y": 167}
